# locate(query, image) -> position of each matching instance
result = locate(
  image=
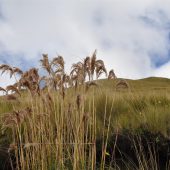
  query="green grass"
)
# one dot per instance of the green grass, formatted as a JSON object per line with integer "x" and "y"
{"x": 146, "y": 102}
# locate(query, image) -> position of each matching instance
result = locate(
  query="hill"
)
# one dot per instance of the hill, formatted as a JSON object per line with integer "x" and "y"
{"x": 101, "y": 111}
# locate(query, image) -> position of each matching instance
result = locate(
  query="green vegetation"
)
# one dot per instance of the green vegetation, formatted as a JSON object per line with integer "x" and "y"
{"x": 72, "y": 124}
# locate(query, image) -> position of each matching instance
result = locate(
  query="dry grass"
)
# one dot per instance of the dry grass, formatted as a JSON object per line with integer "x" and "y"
{"x": 57, "y": 126}
{"x": 57, "y": 131}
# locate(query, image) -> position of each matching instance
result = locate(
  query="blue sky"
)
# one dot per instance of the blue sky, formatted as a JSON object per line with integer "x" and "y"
{"x": 131, "y": 36}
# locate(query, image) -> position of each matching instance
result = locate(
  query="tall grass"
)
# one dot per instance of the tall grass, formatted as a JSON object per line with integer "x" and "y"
{"x": 74, "y": 124}
{"x": 53, "y": 130}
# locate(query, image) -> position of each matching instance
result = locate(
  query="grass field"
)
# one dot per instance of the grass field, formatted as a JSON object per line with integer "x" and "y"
{"x": 100, "y": 124}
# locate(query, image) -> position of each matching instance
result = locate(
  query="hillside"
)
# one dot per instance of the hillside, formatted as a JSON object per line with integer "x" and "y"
{"x": 150, "y": 83}
{"x": 108, "y": 109}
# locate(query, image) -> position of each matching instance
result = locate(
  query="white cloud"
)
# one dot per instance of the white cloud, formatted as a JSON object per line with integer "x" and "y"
{"x": 163, "y": 71}
{"x": 130, "y": 35}
{"x": 5, "y": 80}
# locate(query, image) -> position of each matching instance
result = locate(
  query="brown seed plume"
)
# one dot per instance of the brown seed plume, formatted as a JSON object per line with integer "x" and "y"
{"x": 12, "y": 89}
{"x": 45, "y": 63}
{"x": 89, "y": 84}
{"x": 2, "y": 89}
{"x": 59, "y": 62}
{"x": 17, "y": 70}
{"x": 111, "y": 75}
{"x": 93, "y": 62}
{"x": 122, "y": 83}
{"x": 15, "y": 118}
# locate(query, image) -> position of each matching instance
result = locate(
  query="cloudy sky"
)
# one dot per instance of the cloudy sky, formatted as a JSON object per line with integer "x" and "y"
{"x": 131, "y": 36}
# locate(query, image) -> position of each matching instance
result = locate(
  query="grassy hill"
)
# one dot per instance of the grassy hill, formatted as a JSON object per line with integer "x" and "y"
{"x": 100, "y": 114}
{"x": 144, "y": 102}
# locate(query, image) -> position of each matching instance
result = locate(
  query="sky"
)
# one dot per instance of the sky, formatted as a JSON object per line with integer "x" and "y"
{"x": 131, "y": 36}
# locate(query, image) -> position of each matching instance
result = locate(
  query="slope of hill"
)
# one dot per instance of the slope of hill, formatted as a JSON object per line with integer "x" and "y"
{"x": 106, "y": 109}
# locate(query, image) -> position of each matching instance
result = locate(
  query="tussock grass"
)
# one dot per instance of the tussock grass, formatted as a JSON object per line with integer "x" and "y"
{"x": 72, "y": 123}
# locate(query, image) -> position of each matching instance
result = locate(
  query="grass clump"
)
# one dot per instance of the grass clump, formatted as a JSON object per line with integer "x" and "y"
{"x": 78, "y": 122}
